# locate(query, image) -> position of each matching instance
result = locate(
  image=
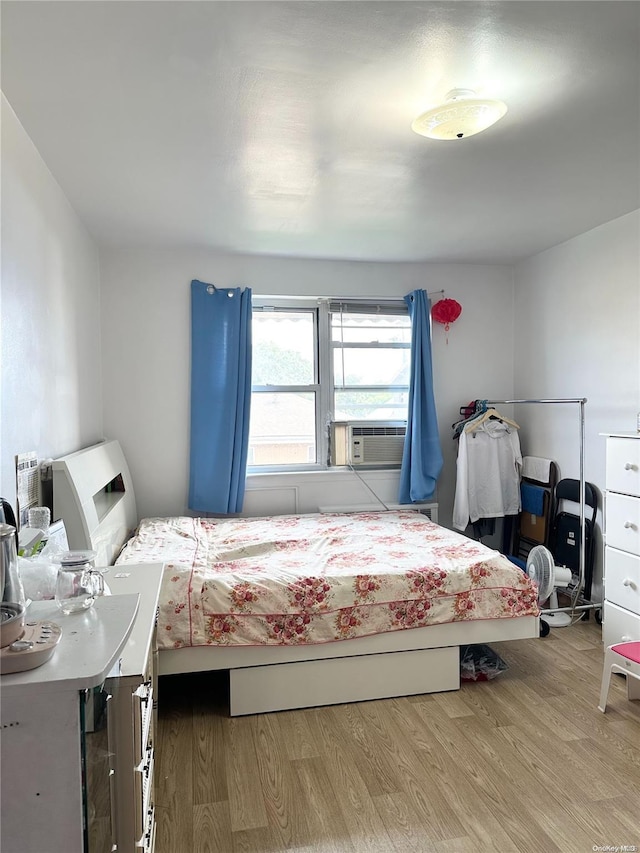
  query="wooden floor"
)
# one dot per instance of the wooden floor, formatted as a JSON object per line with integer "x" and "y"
{"x": 522, "y": 763}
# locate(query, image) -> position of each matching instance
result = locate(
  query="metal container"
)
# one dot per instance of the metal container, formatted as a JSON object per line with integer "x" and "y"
{"x": 13, "y": 602}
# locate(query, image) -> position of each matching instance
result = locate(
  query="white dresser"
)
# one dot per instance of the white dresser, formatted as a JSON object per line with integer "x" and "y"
{"x": 134, "y": 714}
{"x": 78, "y": 732}
{"x": 57, "y": 776}
{"x": 622, "y": 539}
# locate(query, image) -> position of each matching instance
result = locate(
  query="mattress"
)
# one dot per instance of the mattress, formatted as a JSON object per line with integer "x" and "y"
{"x": 320, "y": 578}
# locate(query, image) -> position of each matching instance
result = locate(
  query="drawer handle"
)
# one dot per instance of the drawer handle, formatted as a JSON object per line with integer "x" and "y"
{"x": 629, "y": 582}
{"x": 625, "y": 639}
{"x": 629, "y": 525}
{"x": 629, "y": 466}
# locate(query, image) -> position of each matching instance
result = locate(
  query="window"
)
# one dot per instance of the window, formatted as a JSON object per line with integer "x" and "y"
{"x": 316, "y": 362}
{"x": 285, "y": 387}
{"x": 371, "y": 349}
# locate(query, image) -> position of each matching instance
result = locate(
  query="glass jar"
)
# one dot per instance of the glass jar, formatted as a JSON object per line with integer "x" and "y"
{"x": 77, "y": 586}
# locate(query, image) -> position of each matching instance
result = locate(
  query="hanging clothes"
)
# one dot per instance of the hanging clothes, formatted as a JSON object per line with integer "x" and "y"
{"x": 488, "y": 471}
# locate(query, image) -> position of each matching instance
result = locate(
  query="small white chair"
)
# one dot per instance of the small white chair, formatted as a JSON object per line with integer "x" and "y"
{"x": 624, "y": 658}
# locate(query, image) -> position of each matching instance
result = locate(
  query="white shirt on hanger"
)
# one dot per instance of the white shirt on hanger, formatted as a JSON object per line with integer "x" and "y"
{"x": 488, "y": 473}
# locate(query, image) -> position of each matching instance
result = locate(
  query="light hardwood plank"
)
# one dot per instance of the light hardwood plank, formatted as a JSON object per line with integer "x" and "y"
{"x": 296, "y": 734}
{"x": 167, "y": 835}
{"x": 209, "y": 748}
{"x": 402, "y": 717}
{"x": 551, "y": 806}
{"x": 554, "y": 760}
{"x": 404, "y": 826}
{"x": 626, "y": 732}
{"x": 571, "y": 830}
{"x": 459, "y": 845}
{"x": 284, "y": 809}
{"x": 625, "y": 811}
{"x": 174, "y": 769}
{"x": 494, "y": 796}
{"x": 523, "y": 700}
{"x": 211, "y": 828}
{"x": 246, "y": 795}
{"x": 323, "y": 847}
{"x": 465, "y": 798}
{"x": 608, "y": 767}
{"x": 504, "y": 762}
{"x": 325, "y": 821}
{"x": 260, "y": 840}
{"x": 366, "y": 830}
{"x": 453, "y": 704}
{"x": 424, "y": 789}
{"x": 370, "y": 747}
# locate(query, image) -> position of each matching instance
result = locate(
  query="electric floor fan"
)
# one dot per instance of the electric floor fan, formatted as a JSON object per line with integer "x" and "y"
{"x": 548, "y": 577}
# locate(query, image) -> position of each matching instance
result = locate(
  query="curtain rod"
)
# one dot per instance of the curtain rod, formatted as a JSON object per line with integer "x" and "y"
{"x": 267, "y": 297}
{"x": 370, "y": 299}
{"x": 556, "y": 400}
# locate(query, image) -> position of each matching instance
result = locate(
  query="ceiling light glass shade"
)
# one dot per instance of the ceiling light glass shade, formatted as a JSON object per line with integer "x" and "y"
{"x": 462, "y": 115}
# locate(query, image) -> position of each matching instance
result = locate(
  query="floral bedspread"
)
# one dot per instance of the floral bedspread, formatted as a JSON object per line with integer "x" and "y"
{"x": 319, "y": 578}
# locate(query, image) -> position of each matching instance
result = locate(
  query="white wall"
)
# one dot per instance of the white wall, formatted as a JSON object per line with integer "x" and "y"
{"x": 146, "y": 342}
{"x": 51, "y": 397}
{"x": 577, "y": 318}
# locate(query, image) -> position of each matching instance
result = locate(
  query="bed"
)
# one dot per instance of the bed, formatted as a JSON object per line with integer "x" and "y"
{"x": 301, "y": 610}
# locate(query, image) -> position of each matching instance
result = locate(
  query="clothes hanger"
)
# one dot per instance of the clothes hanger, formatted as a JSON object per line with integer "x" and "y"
{"x": 463, "y": 424}
{"x": 469, "y": 413}
{"x": 485, "y": 416}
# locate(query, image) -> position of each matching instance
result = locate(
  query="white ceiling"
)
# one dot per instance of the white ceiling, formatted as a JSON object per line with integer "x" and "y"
{"x": 284, "y": 127}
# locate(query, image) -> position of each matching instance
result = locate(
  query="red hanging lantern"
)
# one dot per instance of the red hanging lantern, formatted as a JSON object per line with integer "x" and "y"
{"x": 446, "y": 311}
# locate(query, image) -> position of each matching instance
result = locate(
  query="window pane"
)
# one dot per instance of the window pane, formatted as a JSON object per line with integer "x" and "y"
{"x": 283, "y": 348}
{"x": 283, "y": 428}
{"x": 377, "y": 366}
{"x": 371, "y": 405}
{"x": 367, "y": 328}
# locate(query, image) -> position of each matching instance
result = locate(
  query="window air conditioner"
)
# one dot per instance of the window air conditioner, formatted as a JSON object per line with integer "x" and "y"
{"x": 367, "y": 443}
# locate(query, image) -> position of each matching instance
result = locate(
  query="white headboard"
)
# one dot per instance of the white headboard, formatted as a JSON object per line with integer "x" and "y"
{"x": 93, "y": 495}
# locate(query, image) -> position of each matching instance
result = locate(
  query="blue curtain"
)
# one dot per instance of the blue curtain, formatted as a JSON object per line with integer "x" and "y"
{"x": 220, "y": 397}
{"x": 422, "y": 456}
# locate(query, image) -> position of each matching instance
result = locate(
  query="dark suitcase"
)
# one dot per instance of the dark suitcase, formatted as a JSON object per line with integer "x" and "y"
{"x": 565, "y": 538}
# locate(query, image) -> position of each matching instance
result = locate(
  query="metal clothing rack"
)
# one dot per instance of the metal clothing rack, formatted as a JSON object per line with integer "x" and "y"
{"x": 580, "y": 401}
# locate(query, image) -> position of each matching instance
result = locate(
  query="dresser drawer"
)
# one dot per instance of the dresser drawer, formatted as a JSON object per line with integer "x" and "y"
{"x": 142, "y": 719}
{"x": 623, "y": 465}
{"x": 144, "y": 793}
{"x": 622, "y": 580}
{"x": 622, "y": 522}
{"x": 619, "y": 625}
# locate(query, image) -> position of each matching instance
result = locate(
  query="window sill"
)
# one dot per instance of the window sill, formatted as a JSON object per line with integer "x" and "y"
{"x": 336, "y": 471}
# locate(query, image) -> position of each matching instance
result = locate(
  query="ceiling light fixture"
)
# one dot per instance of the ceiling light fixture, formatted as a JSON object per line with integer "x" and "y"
{"x": 462, "y": 115}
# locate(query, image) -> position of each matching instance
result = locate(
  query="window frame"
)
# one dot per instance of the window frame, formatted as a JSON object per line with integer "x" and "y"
{"x": 324, "y": 380}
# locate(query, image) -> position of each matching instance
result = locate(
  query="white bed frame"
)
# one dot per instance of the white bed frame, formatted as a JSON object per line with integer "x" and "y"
{"x": 271, "y": 678}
